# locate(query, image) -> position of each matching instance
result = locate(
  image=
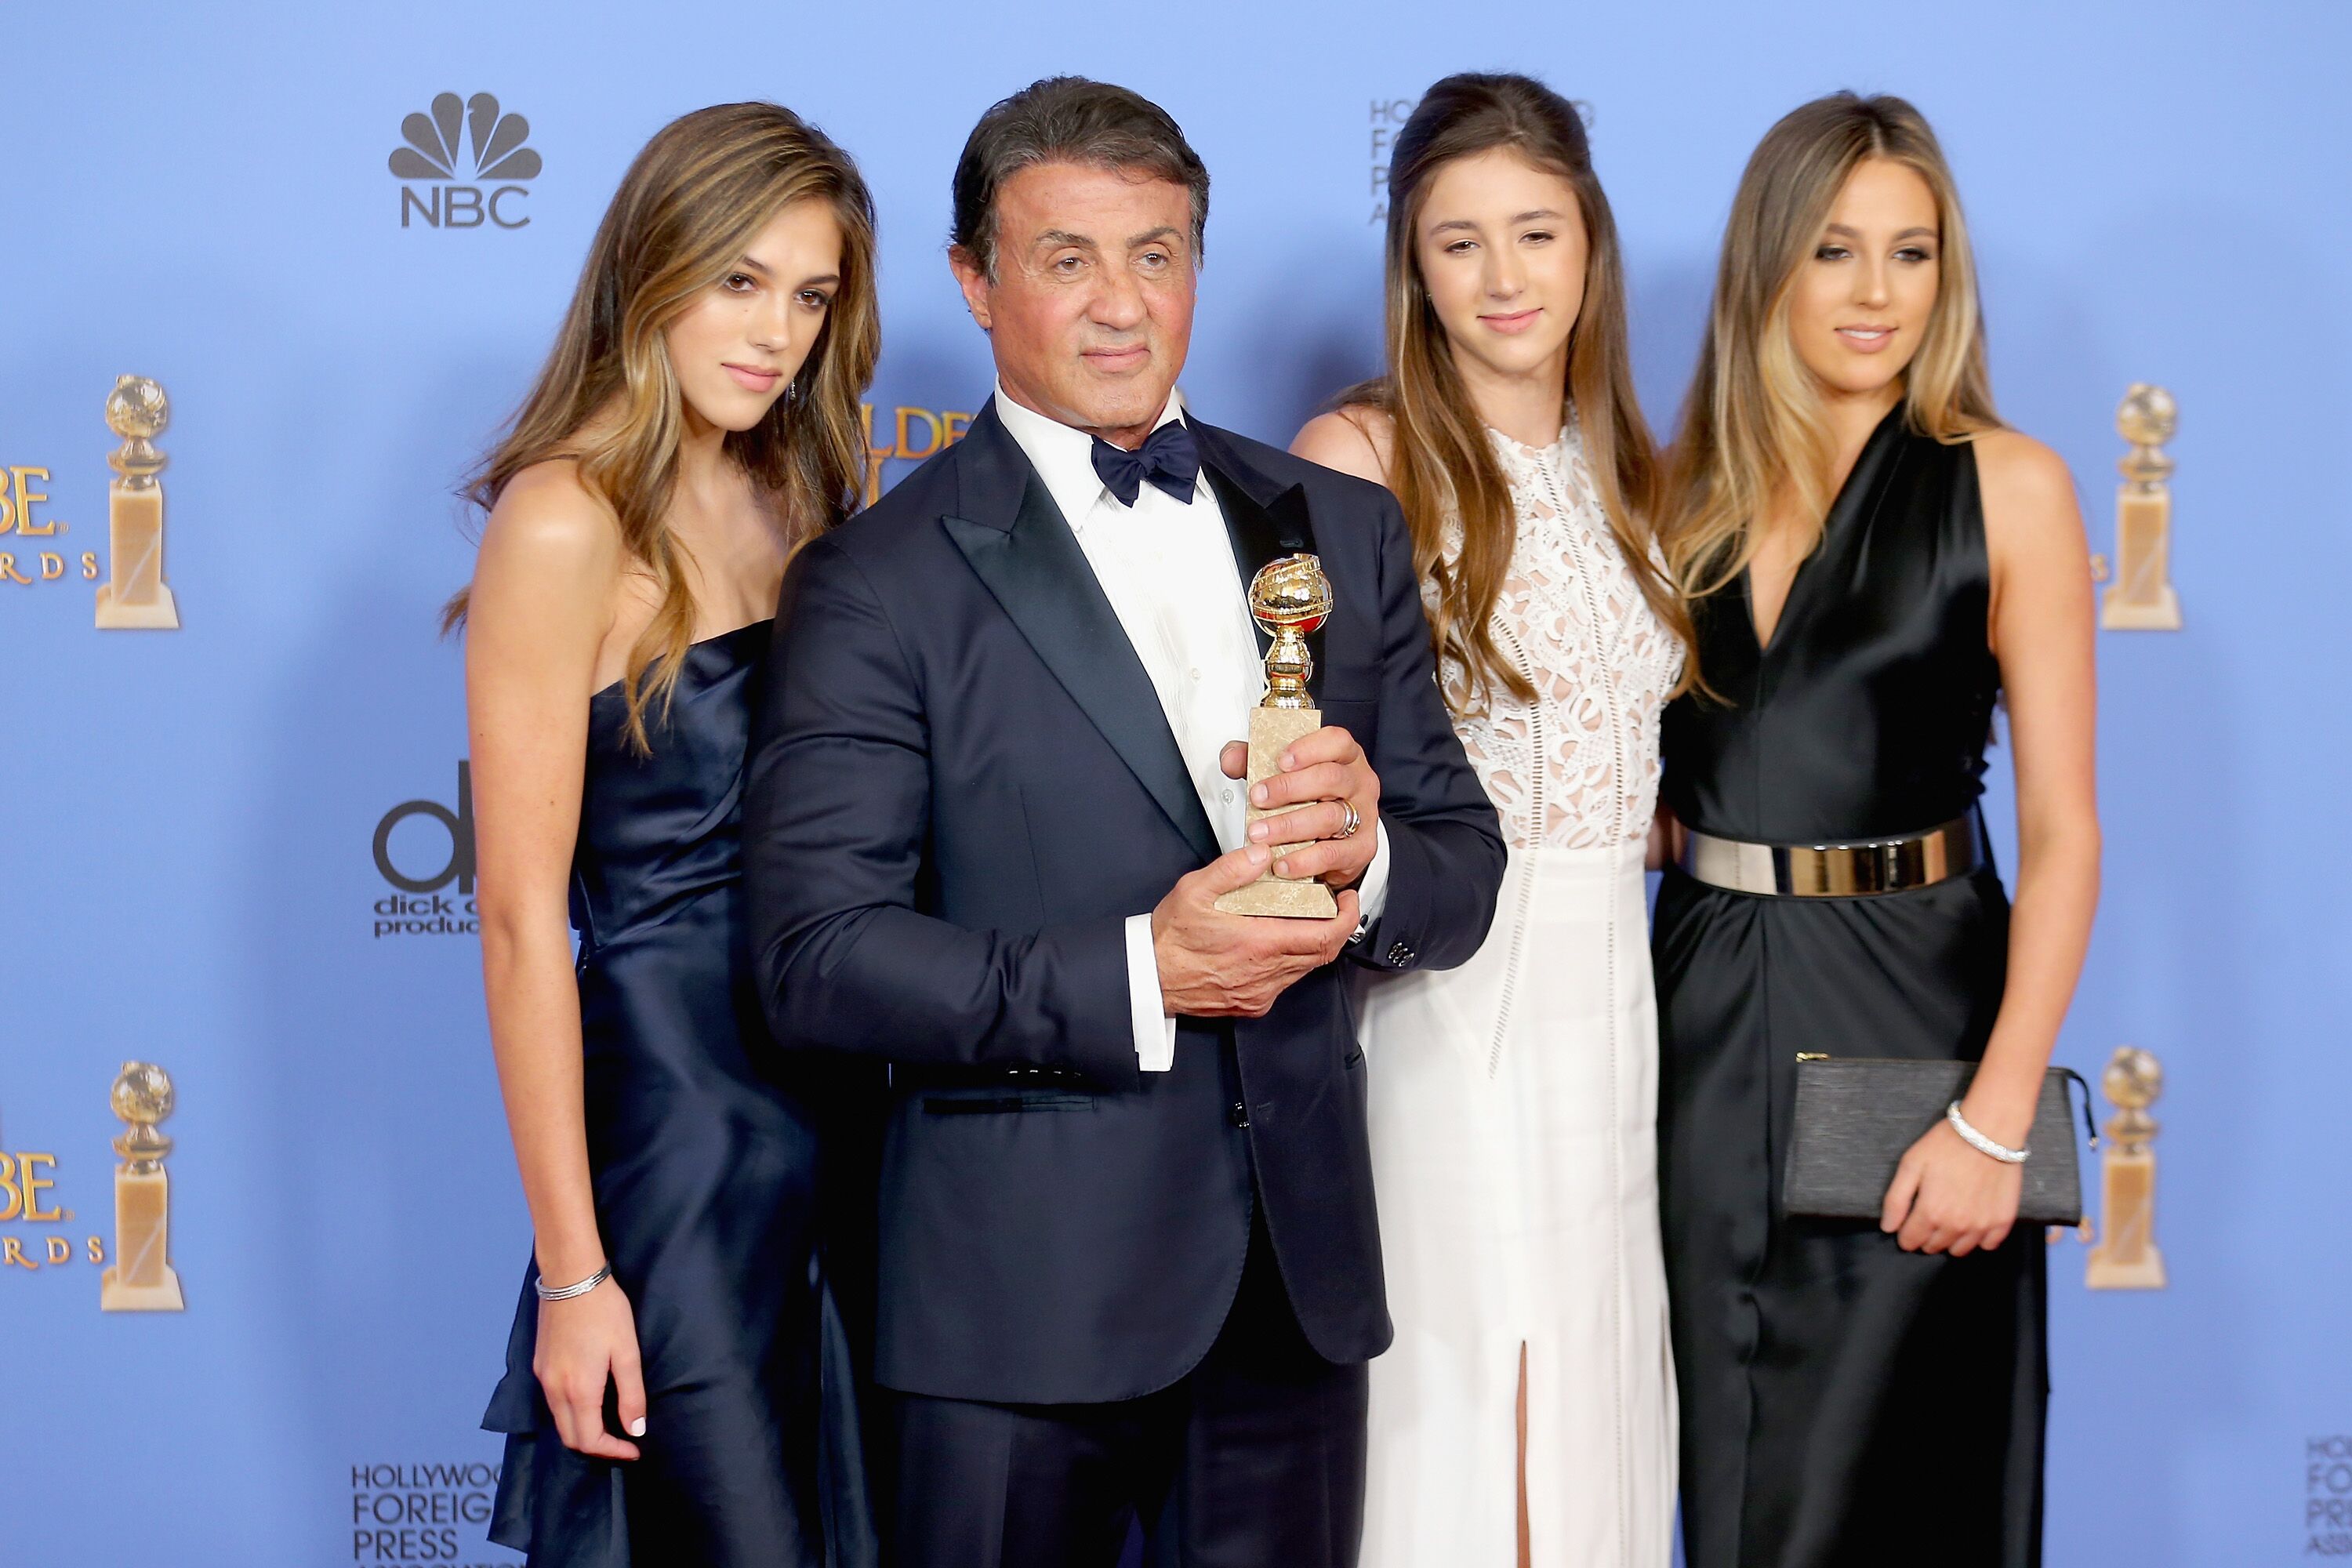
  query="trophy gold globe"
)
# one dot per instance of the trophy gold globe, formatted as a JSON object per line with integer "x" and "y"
{"x": 143, "y": 1097}
{"x": 2146, "y": 417}
{"x": 1290, "y": 598}
{"x": 142, "y": 1278}
{"x": 2133, "y": 1082}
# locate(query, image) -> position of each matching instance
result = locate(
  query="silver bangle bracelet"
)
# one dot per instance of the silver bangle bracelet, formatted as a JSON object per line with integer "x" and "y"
{"x": 565, "y": 1293}
{"x": 1978, "y": 1141}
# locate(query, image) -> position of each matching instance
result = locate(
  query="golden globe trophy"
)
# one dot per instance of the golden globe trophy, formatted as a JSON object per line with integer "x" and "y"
{"x": 140, "y": 1278}
{"x": 1289, "y": 597}
{"x": 134, "y": 597}
{"x": 2127, "y": 1257}
{"x": 2141, "y": 597}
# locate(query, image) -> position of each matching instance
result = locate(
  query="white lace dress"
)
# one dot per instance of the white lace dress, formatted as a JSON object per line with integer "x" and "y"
{"x": 1513, "y": 1100}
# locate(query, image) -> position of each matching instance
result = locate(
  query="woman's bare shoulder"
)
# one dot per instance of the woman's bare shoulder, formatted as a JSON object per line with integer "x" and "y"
{"x": 2015, "y": 461}
{"x": 1356, "y": 439}
{"x": 551, "y": 546}
{"x": 2027, "y": 491}
{"x": 546, "y": 514}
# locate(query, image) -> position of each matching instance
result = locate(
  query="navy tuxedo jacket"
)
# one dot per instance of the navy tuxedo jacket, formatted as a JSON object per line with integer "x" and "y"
{"x": 960, "y": 785}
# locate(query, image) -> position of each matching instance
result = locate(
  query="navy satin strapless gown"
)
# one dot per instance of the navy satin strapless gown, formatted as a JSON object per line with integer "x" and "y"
{"x": 711, "y": 1178}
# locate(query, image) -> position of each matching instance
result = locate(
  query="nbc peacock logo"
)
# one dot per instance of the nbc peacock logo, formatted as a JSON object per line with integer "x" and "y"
{"x": 465, "y": 163}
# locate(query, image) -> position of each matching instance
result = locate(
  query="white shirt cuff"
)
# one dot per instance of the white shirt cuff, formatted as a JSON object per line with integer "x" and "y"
{"x": 1155, "y": 1032}
{"x": 1372, "y": 889}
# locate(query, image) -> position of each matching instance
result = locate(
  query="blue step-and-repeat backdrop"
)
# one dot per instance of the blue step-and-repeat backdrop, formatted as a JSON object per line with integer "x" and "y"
{"x": 239, "y": 850}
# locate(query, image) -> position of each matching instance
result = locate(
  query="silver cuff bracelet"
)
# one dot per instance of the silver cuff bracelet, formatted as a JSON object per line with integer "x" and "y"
{"x": 565, "y": 1292}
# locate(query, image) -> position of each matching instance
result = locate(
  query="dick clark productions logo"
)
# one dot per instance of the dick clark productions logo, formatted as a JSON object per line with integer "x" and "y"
{"x": 418, "y": 906}
{"x": 484, "y": 180}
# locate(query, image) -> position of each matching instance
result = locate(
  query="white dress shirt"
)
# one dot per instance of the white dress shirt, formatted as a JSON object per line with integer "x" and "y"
{"x": 1167, "y": 571}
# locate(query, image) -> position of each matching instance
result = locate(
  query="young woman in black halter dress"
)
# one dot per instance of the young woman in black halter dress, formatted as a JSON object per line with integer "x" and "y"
{"x": 679, "y": 1381}
{"x": 1872, "y": 560}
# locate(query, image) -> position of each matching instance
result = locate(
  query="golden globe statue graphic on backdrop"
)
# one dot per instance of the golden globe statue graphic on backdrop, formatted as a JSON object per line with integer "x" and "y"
{"x": 2141, "y": 597}
{"x": 2126, "y": 1257}
{"x": 140, "y": 1278}
{"x": 134, "y": 597}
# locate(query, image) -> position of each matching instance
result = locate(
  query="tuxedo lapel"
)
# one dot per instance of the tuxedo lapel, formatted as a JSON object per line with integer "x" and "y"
{"x": 1019, "y": 545}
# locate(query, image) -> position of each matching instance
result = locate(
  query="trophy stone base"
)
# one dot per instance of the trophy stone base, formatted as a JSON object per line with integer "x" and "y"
{"x": 161, "y": 613}
{"x": 2126, "y": 1257}
{"x": 2160, "y": 613}
{"x": 115, "y": 1296}
{"x": 1271, "y": 730}
{"x": 140, "y": 1278}
{"x": 2144, "y": 1272}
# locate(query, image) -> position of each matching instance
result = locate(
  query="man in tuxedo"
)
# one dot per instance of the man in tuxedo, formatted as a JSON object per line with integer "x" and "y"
{"x": 1128, "y": 1258}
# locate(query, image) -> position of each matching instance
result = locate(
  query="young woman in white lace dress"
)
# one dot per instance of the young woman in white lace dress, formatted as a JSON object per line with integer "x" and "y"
{"x": 1526, "y": 1412}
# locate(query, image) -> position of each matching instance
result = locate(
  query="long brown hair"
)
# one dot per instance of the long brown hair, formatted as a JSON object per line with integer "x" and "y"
{"x": 694, "y": 198}
{"x": 1442, "y": 466}
{"x": 1752, "y": 427}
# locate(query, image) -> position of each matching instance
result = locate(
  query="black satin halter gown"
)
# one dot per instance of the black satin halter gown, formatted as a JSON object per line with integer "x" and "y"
{"x": 1845, "y": 1404}
{"x": 709, "y": 1175}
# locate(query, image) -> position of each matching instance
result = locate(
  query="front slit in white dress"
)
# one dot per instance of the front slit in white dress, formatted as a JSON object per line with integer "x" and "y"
{"x": 1513, "y": 1103}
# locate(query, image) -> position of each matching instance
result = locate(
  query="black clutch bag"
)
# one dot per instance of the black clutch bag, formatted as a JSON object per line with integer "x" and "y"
{"x": 1857, "y": 1115}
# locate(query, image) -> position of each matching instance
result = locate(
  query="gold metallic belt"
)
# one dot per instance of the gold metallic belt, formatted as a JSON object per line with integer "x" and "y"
{"x": 1835, "y": 870}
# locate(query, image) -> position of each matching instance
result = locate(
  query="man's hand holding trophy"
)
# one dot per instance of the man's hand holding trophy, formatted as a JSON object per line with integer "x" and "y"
{"x": 1312, "y": 792}
{"x": 1314, "y": 818}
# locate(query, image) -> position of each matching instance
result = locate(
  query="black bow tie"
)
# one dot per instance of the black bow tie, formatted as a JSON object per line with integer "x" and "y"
{"x": 1169, "y": 458}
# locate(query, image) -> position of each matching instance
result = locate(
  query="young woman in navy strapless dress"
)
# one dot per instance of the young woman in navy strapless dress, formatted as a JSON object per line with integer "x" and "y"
{"x": 679, "y": 1381}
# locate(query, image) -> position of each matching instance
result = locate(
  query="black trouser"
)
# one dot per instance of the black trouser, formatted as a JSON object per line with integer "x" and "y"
{"x": 1253, "y": 1459}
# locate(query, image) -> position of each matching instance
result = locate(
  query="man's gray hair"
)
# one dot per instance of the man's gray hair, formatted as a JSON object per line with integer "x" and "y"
{"x": 1068, "y": 120}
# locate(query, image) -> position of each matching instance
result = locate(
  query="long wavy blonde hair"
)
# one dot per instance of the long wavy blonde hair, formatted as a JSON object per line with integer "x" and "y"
{"x": 1753, "y": 428}
{"x": 1442, "y": 466}
{"x": 698, "y": 194}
